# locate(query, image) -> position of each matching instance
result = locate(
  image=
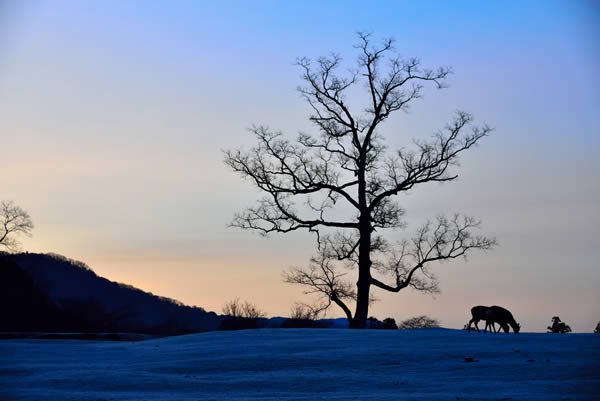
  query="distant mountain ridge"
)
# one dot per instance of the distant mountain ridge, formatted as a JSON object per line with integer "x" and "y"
{"x": 49, "y": 292}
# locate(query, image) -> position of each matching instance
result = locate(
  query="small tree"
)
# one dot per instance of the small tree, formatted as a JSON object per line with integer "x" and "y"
{"x": 419, "y": 322}
{"x": 302, "y": 311}
{"x": 313, "y": 182}
{"x": 304, "y": 316}
{"x": 251, "y": 311}
{"x": 13, "y": 221}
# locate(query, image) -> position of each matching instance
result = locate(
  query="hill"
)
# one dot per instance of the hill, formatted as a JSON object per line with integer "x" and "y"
{"x": 48, "y": 292}
{"x": 304, "y": 364}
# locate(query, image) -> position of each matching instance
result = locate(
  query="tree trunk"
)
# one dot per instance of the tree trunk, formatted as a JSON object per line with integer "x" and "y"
{"x": 364, "y": 276}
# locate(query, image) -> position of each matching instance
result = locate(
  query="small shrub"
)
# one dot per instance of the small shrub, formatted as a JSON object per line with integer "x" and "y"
{"x": 419, "y": 322}
{"x": 558, "y": 326}
{"x": 387, "y": 324}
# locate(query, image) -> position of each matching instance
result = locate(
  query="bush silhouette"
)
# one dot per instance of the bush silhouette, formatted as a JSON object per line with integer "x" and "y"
{"x": 387, "y": 324}
{"x": 419, "y": 322}
{"x": 558, "y": 326}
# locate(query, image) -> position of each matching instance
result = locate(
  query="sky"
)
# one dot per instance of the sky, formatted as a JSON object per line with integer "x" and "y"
{"x": 114, "y": 116}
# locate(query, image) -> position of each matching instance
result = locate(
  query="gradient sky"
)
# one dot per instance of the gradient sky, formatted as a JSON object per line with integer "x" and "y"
{"x": 113, "y": 115}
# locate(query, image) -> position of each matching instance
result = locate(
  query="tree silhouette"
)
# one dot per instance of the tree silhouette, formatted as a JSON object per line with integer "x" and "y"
{"x": 346, "y": 171}
{"x": 247, "y": 310}
{"x": 302, "y": 311}
{"x": 13, "y": 221}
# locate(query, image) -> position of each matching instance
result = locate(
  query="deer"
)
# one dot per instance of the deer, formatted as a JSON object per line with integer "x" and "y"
{"x": 491, "y": 315}
{"x": 478, "y": 313}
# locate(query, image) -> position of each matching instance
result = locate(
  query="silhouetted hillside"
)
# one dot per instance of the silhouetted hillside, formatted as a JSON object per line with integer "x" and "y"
{"x": 48, "y": 292}
{"x": 23, "y": 306}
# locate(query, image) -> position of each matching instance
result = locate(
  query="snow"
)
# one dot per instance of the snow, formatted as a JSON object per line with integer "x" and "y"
{"x": 305, "y": 364}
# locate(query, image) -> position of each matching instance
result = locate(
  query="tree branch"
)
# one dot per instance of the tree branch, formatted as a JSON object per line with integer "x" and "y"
{"x": 322, "y": 278}
{"x": 440, "y": 241}
{"x": 432, "y": 160}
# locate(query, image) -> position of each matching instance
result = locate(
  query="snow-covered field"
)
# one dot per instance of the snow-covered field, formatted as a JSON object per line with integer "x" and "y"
{"x": 306, "y": 365}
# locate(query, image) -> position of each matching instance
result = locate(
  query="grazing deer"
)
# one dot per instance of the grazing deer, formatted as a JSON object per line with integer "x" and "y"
{"x": 491, "y": 315}
{"x": 558, "y": 326}
{"x": 481, "y": 313}
{"x": 505, "y": 319}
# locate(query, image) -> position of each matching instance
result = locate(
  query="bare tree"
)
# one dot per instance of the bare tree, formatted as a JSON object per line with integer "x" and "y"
{"x": 345, "y": 170}
{"x": 251, "y": 311}
{"x": 13, "y": 221}
{"x": 302, "y": 311}
{"x": 237, "y": 309}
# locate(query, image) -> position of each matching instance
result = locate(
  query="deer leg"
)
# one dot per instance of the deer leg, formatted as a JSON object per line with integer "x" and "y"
{"x": 473, "y": 322}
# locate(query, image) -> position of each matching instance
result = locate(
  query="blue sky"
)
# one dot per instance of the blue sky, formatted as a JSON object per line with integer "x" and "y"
{"x": 115, "y": 115}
